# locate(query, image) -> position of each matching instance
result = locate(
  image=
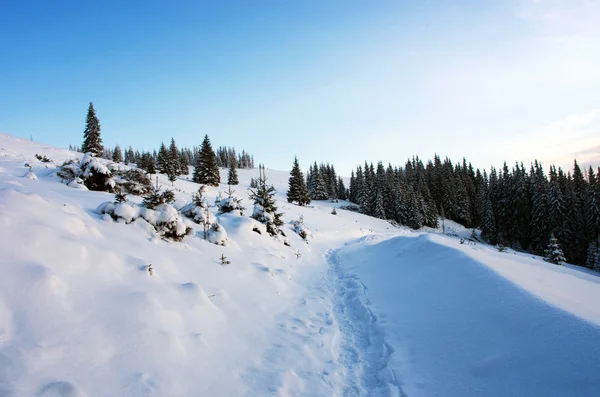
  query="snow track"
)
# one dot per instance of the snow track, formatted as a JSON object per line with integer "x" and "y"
{"x": 365, "y": 354}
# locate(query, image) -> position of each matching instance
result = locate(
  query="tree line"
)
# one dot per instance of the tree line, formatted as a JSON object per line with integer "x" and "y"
{"x": 184, "y": 157}
{"x": 517, "y": 207}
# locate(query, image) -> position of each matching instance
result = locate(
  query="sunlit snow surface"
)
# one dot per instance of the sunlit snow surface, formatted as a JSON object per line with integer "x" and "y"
{"x": 362, "y": 309}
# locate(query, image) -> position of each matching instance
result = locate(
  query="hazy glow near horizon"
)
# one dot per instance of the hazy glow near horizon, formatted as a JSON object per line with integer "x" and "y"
{"x": 336, "y": 81}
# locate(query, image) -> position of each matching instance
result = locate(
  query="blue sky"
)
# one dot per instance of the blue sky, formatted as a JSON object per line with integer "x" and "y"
{"x": 337, "y": 81}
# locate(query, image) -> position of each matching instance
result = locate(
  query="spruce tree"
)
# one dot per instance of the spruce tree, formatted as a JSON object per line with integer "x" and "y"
{"x": 206, "y": 170}
{"x": 593, "y": 257}
{"x": 297, "y": 190}
{"x": 117, "y": 156}
{"x": 554, "y": 253}
{"x": 173, "y": 160}
{"x": 92, "y": 141}
{"x": 265, "y": 210}
{"x": 183, "y": 165}
{"x": 163, "y": 159}
{"x": 341, "y": 189}
{"x": 232, "y": 176}
{"x": 317, "y": 187}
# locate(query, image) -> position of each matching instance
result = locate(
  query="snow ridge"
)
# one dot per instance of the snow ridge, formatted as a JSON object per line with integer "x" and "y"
{"x": 365, "y": 352}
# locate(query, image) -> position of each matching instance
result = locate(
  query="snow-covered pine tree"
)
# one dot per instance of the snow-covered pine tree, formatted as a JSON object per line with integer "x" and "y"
{"x": 265, "y": 210}
{"x": 117, "y": 156}
{"x": 297, "y": 190}
{"x": 232, "y": 176}
{"x": 206, "y": 170}
{"x": 317, "y": 188}
{"x": 554, "y": 253}
{"x": 92, "y": 141}
{"x": 230, "y": 203}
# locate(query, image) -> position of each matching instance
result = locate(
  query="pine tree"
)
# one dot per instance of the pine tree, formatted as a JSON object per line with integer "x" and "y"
{"x": 183, "y": 165}
{"x": 593, "y": 257}
{"x": 206, "y": 170}
{"x": 173, "y": 160}
{"x": 163, "y": 159}
{"x": 129, "y": 156}
{"x": 92, "y": 141}
{"x": 297, "y": 190}
{"x": 232, "y": 176}
{"x": 554, "y": 253}
{"x": 341, "y": 190}
{"x": 265, "y": 210}
{"x": 117, "y": 156}
{"x": 317, "y": 188}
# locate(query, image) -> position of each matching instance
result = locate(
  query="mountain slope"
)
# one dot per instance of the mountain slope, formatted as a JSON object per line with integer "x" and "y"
{"x": 363, "y": 309}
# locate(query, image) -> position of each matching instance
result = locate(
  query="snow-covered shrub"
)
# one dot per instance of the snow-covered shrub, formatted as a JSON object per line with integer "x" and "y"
{"x": 30, "y": 175}
{"x": 198, "y": 197}
{"x": 77, "y": 183}
{"x": 197, "y": 210}
{"x": 69, "y": 171}
{"x": 350, "y": 207}
{"x": 300, "y": 228}
{"x": 43, "y": 159}
{"x": 230, "y": 203}
{"x": 120, "y": 197}
{"x": 93, "y": 174}
{"x": 134, "y": 181}
{"x": 216, "y": 234}
{"x": 156, "y": 198}
{"x": 165, "y": 218}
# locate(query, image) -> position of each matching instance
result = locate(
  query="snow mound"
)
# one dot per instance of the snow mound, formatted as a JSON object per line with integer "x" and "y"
{"x": 30, "y": 175}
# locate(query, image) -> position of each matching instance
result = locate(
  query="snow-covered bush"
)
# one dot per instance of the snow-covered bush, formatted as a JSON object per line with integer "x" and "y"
{"x": 134, "y": 181}
{"x": 198, "y": 210}
{"x": 120, "y": 197}
{"x": 156, "y": 198}
{"x": 30, "y": 175}
{"x": 350, "y": 207}
{"x": 230, "y": 203}
{"x": 165, "y": 218}
{"x": 93, "y": 174}
{"x": 300, "y": 228}
{"x": 43, "y": 159}
{"x": 216, "y": 234}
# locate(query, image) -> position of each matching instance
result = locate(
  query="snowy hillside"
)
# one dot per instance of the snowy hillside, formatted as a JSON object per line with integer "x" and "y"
{"x": 361, "y": 309}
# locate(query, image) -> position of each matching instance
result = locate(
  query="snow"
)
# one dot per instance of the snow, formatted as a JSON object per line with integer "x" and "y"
{"x": 364, "y": 309}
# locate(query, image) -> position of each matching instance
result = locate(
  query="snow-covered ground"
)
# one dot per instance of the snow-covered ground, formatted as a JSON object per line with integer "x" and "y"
{"x": 362, "y": 309}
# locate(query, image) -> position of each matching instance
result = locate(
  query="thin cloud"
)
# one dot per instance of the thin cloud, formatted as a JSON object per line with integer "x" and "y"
{"x": 577, "y": 136}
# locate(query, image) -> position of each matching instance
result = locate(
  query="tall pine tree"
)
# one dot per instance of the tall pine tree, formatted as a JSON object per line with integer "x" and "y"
{"x": 206, "y": 170}
{"x": 232, "y": 176}
{"x": 92, "y": 141}
{"x": 297, "y": 188}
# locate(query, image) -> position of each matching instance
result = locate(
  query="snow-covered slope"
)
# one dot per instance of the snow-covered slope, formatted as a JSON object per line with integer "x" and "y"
{"x": 363, "y": 309}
